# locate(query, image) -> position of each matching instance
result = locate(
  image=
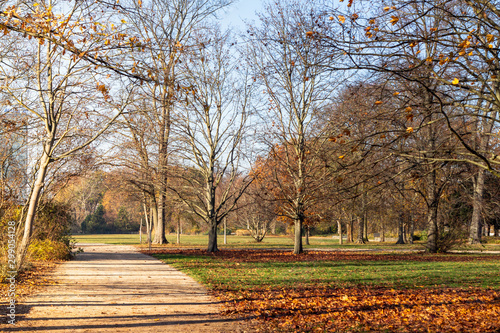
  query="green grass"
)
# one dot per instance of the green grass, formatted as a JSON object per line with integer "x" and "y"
{"x": 201, "y": 241}
{"x": 222, "y": 273}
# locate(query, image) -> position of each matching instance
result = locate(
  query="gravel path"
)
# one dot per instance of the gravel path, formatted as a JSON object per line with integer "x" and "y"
{"x": 114, "y": 288}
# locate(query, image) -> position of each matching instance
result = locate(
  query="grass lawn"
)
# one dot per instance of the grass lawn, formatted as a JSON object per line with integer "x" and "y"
{"x": 350, "y": 291}
{"x": 201, "y": 241}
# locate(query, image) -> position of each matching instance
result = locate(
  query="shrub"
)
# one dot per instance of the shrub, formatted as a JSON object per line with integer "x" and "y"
{"x": 48, "y": 250}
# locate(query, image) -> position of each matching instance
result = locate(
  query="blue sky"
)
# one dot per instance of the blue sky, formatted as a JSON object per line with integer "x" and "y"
{"x": 241, "y": 10}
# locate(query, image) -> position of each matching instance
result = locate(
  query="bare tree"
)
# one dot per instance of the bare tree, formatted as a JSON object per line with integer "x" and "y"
{"x": 289, "y": 65}
{"x": 213, "y": 127}
{"x": 67, "y": 100}
{"x": 167, "y": 27}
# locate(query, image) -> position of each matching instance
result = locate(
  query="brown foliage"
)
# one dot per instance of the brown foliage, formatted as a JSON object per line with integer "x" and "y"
{"x": 368, "y": 309}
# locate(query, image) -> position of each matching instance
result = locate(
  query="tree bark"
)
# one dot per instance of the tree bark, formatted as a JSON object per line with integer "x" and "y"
{"x": 350, "y": 227}
{"x": 412, "y": 229}
{"x": 307, "y": 235}
{"x": 361, "y": 227}
{"x": 212, "y": 237}
{"x": 140, "y": 232}
{"x": 33, "y": 203}
{"x": 339, "y": 228}
{"x": 225, "y": 230}
{"x": 161, "y": 215}
{"x": 178, "y": 228}
{"x": 432, "y": 213}
{"x": 477, "y": 203}
{"x": 382, "y": 235}
{"x": 297, "y": 246}
{"x": 401, "y": 229}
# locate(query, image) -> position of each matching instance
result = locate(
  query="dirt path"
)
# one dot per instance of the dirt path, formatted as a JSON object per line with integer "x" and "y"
{"x": 113, "y": 288}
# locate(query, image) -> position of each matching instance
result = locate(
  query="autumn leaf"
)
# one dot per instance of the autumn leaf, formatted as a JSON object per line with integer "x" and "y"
{"x": 409, "y": 130}
{"x": 455, "y": 81}
{"x": 309, "y": 33}
{"x": 341, "y": 19}
{"x": 378, "y": 102}
{"x": 394, "y": 20}
{"x": 395, "y": 93}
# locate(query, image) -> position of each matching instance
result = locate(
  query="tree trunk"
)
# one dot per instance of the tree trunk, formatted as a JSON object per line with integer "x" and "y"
{"x": 307, "y": 235}
{"x": 212, "y": 237}
{"x": 225, "y": 231}
{"x": 140, "y": 232}
{"x": 339, "y": 228}
{"x": 361, "y": 227}
{"x": 432, "y": 214}
{"x": 382, "y": 234}
{"x": 297, "y": 246}
{"x": 156, "y": 226}
{"x": 401, "y": 229}
{"x": 432, "y": 245}
{"x": 412, "y": 229}
{"x": 350, "y": 227}
{"x": 161, "y": 218}
{"x": 32, "y": 205}
{"x": 178, "y": 228}
{"x": 148, "y": 224}
{"x": 365, "y": 226}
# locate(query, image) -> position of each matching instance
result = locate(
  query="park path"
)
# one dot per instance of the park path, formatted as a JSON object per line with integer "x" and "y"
{"x": 114, "y": 288}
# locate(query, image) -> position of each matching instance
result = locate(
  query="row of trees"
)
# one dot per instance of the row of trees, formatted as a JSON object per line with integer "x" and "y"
{"x": 318, "y": 112}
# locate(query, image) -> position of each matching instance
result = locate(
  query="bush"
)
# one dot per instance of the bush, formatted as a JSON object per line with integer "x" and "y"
{"x": 48, "y": 250}
{"x": 243, "y": 232}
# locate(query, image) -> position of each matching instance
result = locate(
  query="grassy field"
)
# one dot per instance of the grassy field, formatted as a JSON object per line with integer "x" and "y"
{"x": 350, "y": 291}
{"x": 318, "y": 269}
{"x": 200, "y": 241}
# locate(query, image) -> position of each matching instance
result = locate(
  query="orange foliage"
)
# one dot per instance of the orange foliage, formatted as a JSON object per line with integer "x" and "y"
{"x": 368, "y": 309}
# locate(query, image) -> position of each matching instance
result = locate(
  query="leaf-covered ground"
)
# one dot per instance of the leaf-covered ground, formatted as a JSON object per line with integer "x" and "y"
{"x": 351, "y": 291}
{"x": 368, "y": 309}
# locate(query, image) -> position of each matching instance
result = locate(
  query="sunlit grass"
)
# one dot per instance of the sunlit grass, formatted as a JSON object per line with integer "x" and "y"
{"x": 220, "y": 272}
{"x": 233, "y": 241}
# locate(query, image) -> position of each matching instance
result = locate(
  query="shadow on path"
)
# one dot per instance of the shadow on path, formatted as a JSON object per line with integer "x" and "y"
{"x": 113, "y": 288}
